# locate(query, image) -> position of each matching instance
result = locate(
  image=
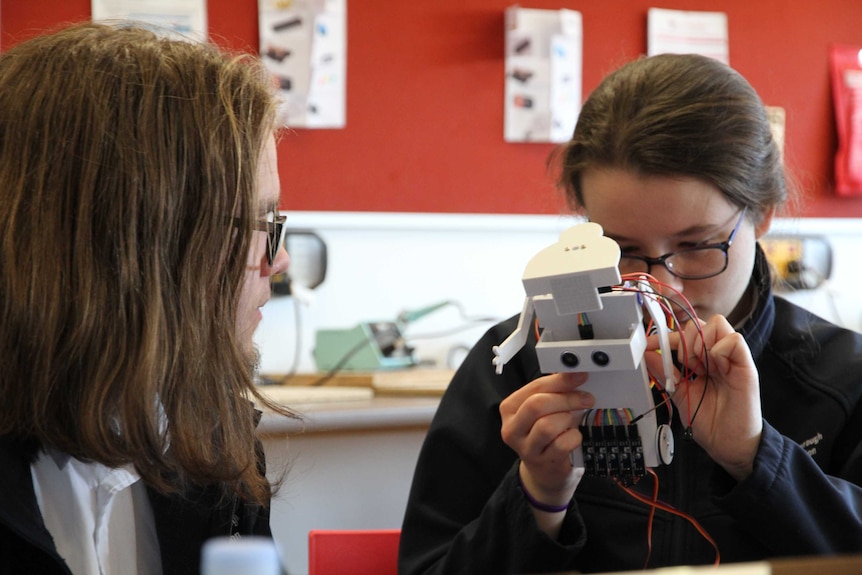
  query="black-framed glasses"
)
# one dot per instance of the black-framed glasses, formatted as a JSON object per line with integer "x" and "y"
{"x": 695, "y": 263}
{"x": 273, "y": 225}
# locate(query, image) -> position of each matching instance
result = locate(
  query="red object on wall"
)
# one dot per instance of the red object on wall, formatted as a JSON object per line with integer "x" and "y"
{"x": 846, "y": 73}
{"x": 425, "y": 96}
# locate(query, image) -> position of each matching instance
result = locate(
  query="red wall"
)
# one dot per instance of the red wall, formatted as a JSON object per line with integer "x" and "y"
{"x": 425, "y": 96}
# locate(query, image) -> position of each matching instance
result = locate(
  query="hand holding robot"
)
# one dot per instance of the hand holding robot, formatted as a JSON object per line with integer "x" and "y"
{"x": 589, "y": 319}
{"x": 721, "y": 397}
{"x": 587, "y": 326}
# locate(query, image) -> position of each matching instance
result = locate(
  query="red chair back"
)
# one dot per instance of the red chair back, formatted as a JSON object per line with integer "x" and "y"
{"x": 353, "y": 552}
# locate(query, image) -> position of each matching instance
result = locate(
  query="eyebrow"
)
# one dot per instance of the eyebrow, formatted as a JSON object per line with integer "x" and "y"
{"x": 685, "y": 233}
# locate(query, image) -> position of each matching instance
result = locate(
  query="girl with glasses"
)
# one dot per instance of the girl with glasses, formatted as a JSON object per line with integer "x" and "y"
{"x": 673, "y": 156}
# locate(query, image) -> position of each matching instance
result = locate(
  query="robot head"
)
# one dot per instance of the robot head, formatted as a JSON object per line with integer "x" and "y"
{"x": 573, "y": 269}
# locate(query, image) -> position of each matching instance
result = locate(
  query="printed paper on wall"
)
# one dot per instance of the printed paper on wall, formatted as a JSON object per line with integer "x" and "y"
{"x": 181, "y": 18}
{"x": 687, "y": 32}
{"x": 304, "y": 44}
{"x": 543, "y": 74}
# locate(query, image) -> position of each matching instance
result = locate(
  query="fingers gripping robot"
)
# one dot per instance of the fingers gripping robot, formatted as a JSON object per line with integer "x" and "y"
{"x": 590, "y": 322}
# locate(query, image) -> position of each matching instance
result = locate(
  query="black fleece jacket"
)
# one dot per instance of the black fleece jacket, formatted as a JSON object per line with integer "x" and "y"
{"x": 466, "y": 513}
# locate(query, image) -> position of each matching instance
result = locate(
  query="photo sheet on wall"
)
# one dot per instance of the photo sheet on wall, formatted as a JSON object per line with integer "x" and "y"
{"x": 304, "y": 44}
{"x": 180, "y": 18}
{"x": 544, "y": 58}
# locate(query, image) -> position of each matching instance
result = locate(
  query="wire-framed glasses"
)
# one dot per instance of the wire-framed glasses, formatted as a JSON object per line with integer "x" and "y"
{"x": 695, "y": 263}
{"x": 273, "y": 225}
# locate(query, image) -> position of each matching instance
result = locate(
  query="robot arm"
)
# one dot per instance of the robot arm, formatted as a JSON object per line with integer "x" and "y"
{"x": 516, "y": 340}
{"x": 660, "y": 323}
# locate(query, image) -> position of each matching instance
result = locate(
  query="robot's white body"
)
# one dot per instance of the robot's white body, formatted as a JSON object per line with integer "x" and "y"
{"x": 572, "y": 277}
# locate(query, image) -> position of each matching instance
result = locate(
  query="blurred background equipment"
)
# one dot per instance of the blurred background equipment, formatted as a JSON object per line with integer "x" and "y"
{"x": 799, "y": 262}
{"x": 371, "y": 345}
{"x": 307, "y": 268}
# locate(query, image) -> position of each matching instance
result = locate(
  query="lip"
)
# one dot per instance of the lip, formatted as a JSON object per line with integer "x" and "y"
{"x": 682, "y": 314}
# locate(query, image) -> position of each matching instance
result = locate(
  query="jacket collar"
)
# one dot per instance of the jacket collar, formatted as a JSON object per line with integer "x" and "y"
{"x": 758, "y": 327}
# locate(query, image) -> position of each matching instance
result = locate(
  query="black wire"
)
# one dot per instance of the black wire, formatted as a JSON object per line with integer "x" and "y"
{"x": 339, "y": 364}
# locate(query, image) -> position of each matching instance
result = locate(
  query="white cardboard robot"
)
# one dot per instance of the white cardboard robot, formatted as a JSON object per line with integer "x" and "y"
{"x": 575, "y": 276}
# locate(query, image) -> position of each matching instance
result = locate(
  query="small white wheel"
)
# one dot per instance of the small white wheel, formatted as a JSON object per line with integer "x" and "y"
{"x": 664, "y": 442}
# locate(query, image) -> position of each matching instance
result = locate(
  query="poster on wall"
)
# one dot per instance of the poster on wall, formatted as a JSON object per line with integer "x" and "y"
{"x": 304, "y": 44}
{"x": 543, "y": 74}
{"x": 181, "y": 18}
{"x": 687, "y": 32}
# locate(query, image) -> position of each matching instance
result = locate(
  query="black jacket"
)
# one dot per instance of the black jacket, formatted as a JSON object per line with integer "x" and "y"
{"x": 466, "y": 513}
{"x": 183, "y": 523}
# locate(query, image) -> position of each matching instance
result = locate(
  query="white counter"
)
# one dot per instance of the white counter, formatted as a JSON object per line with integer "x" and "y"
{"x": 347, "y": 465}
{"x": 375, "y": 413}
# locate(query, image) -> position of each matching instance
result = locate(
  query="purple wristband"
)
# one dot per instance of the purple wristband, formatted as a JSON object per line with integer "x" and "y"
{"x": 538, "y": 504}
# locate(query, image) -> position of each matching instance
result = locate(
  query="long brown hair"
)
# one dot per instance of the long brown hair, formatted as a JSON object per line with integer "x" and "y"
{"x": 124, "y": 160}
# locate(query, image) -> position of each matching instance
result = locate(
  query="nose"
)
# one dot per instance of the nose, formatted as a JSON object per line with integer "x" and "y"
{"x": 281, "y": 261}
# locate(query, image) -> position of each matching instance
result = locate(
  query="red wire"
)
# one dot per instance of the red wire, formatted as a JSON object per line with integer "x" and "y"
{"x": 655, "y": 504}
{"x": 651, "y": 515}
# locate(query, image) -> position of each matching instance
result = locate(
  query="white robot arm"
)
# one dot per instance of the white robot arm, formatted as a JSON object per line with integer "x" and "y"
{"x": 516, "y": 340}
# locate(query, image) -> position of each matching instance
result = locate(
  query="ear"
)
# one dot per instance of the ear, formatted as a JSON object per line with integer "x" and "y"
{"x": 761, "y": 227}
